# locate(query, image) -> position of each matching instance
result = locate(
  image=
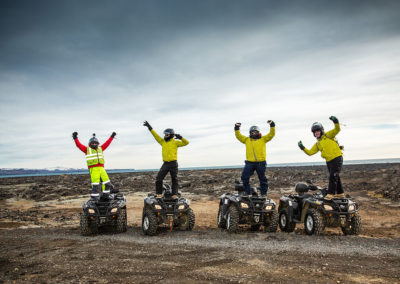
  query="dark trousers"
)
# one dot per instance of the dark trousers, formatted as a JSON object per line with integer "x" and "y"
{"x": 334, "y": 167}
{"x": 167, "y": 167}
{"x": 248, "y": 171}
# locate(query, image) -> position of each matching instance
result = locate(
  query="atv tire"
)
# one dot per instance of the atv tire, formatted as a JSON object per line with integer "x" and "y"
{"x": 189, "y": 221}
{"x": 84, "y": 225}
{"x": 221, "y": 220}
{"x": 284, "y": 223}
{"x": 314, "y": 222}
{"x": 121, "y": 222}
{"x": 149, "y": 223}
{"x": 272, "y": 226}
{"x": 354, "y": 226}
{"x": 232, "y": 219}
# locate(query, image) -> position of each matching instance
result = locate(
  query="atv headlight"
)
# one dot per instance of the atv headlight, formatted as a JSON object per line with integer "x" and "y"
{"x": 244, "y": 205}
{"x": 181, "y": 207}
{"x": 268, "y": 207}
{"x": 114, "y": 210}
{"x": 157, "y": 206}
{"x": 328, "y": 207}
{"x": 91, "y": 211}
{"x": 352, "y": 207}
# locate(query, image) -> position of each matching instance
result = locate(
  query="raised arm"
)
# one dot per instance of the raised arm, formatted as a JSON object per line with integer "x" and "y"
{"x": 78, "y": 144}
{"x": 108, "y": 142}
{"x": 239, "y": 135}
{"x": 271, "y": 133}
{"x": 332, "y": 133}
{"x": 182, "y": 142}
{"x": 156, "y": 136}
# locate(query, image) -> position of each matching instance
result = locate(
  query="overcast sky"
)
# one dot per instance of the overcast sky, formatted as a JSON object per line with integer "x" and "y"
{"x": 198, "y": 67}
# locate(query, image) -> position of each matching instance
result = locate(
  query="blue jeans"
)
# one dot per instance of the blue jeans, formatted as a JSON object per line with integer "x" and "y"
{"x": 248, "y": 171}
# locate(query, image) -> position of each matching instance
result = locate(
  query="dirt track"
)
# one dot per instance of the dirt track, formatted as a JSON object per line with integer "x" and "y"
{"x": 40, "y": 241}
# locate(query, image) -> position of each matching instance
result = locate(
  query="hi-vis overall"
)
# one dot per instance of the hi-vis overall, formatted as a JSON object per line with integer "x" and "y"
{"x": 95, "y": 157}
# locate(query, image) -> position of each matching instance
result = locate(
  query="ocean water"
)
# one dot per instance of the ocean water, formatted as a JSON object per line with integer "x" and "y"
{"x": 110, "y": 171}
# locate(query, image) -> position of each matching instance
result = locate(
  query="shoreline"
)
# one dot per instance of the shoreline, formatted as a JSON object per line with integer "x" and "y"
{"x": 392, "y": 161}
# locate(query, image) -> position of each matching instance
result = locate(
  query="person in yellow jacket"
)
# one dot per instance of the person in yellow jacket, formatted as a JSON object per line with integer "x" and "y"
{"x": 255, "y": 155}
{"x": 331, "y": 152}
{"x": 170, "y": 156}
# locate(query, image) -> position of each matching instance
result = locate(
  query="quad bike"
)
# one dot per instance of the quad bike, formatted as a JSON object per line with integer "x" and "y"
{"x": 317, "y": 212}
{"x": 174, "y": 212}
{"x": 109, "y": 209}
{"x": 241, "y": 209}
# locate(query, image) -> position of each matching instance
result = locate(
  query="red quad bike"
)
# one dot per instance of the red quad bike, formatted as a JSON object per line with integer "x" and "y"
{"x": 317, "y": 212}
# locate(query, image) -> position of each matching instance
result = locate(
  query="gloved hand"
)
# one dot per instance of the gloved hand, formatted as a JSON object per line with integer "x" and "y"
{"x": 145, "y": 123}
{"x": 271, "y": 123}
{"x": 334, "y": 119}
{"x": 301, "y": 146}
{"x": 178, "y": 136}
{"x": 237, "y": 125}
{"x": 75, "y": 135}
{"x": 113, "y": 134}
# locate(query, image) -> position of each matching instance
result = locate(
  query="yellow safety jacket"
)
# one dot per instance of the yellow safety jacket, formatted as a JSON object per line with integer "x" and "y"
{"x": 94, "y": 157}
{"x": 327, "y": 144}
{"x": 255, "y": 148}
{"x": 170, "y": 147}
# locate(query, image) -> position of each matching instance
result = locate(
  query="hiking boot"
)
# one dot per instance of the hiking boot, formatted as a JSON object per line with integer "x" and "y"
{"x": 340, "y": 195}
{"x": 159, "y": 195}
{"x": 174, "y": 196}
{"x": 328, "y": 197}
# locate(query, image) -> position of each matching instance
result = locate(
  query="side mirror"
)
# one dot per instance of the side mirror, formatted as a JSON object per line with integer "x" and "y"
{"x": 309, "y": 181}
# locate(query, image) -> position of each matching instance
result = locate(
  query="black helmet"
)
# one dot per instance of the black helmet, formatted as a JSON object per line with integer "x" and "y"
{"x": 301, "y": 187}
{"x": 93, "y": 142}
{"x": 169, "y": 131}
{"x": 257, "y": 130}
{"x": 168, "y": 134}
{"x": 317, "y": 126}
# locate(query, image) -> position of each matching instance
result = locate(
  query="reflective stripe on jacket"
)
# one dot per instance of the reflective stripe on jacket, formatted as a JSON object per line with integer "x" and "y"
{"x": 170, "y": 147}
{"x": 327, "y": 144}
{"x": 255, "y": 148}
{"x": 94, "y": 157}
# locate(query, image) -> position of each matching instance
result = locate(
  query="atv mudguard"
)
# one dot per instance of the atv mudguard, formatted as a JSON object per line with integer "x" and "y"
{"x": 284, "y": 202}
{"x": 307, "y": 204}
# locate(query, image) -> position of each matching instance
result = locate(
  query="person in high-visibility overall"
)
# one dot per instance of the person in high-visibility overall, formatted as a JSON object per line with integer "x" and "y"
{"x": 170, "y": 156}
{"x": 256, "y": 157}
{"x": 331, "y": 152}
{"x": 95, "y": 163}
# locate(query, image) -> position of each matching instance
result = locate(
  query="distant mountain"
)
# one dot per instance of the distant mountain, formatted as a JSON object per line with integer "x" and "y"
{"x": 52, "y": 170}
{"x": 24, "y": 171}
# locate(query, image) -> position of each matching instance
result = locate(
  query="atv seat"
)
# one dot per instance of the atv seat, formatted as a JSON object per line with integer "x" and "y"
{"x": 240, "y": 188}
{"x": 301, "y": 197}
{"x": 168, "y": 195}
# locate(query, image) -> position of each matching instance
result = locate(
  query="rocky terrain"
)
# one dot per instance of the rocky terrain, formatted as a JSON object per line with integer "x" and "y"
{"x": 40, "y": 241}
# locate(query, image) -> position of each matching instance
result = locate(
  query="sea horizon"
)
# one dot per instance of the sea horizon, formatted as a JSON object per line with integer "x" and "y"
{"x": 272, "y": 165}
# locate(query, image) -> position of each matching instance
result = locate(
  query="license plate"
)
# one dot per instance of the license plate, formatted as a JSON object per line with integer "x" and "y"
{"x": 256, "y": 218}
{"x": 102, "y": 220}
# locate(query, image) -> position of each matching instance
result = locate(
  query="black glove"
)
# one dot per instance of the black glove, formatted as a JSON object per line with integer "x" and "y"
{"x": 113, "y": 134}
{"x": 75, "y": 135}
{"x": 178, "y": 136}
{"x": 271, "y": 123}
{"x": 145, "y": 123}
{"x": 334, "y": 119}
{"x": 237, "y": 125}
{"x": 301, "y": 146}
